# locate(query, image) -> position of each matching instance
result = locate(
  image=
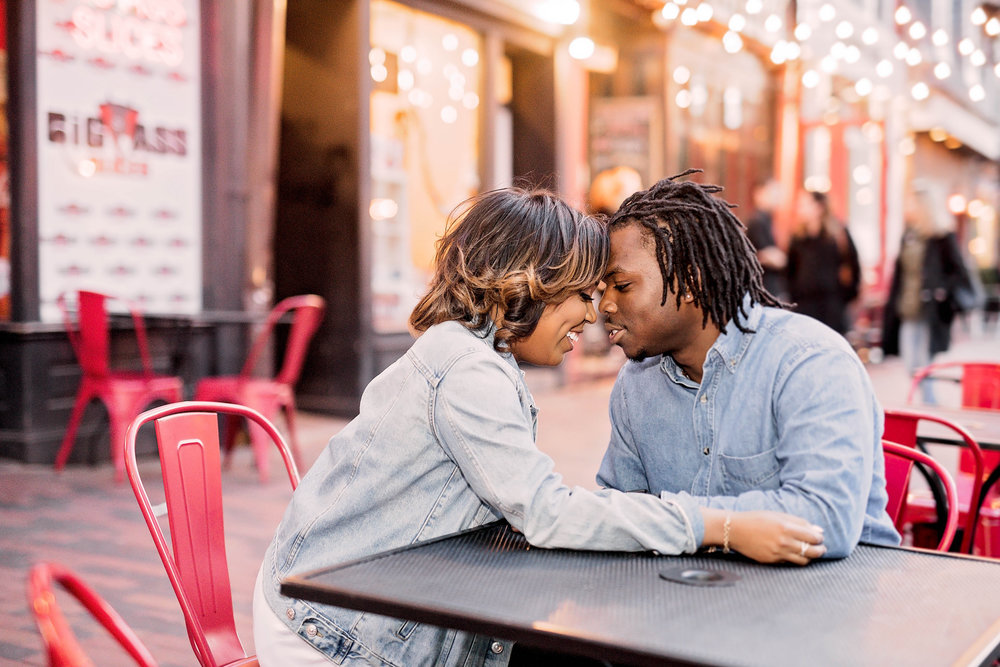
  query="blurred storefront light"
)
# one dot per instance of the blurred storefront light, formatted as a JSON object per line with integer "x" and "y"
{"x": 561, "y": 12}
{"x": 956, "y": 204}
{"x": 581, "y": 48}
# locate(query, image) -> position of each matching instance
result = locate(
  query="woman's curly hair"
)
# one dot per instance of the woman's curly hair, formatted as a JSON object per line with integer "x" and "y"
{"x": 504, "y": 255}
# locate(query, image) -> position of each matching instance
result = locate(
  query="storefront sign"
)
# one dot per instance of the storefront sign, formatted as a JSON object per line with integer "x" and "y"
{"x": 119, "y": 151}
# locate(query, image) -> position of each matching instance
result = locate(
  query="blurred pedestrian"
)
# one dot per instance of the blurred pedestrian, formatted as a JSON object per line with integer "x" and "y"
{"x": 930, "y": 283}
{"x": 823, "y": 272}
{"x": 445, "y": 441}
{"x": 760, "y": 231}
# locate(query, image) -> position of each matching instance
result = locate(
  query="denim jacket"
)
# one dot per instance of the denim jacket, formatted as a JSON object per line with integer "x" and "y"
{"x": 444, "y": 441}
{"x": 784, "y": 419}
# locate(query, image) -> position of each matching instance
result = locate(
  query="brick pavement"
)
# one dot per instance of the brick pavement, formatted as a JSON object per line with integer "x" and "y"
{"x": 85, "y": 520}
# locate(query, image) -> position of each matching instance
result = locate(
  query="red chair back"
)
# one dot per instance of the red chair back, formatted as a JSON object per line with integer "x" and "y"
{"x": 899, "y": 460}
{"x": 187, "y": 434}
{"x": 901, "y": 426}
{"x": 981, "y": 386}
{"x": 308, "y": 314}
{"x": 61, "y": 645}
{"x": 90, "y": 336}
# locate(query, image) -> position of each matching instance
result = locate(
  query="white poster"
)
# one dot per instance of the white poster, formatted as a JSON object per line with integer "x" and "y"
{"x": 119, "y": 151}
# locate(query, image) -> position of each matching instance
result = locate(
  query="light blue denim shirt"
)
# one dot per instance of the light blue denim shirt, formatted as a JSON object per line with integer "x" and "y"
{"x": 784, "y": 419}
{"x": 444, "y": 441}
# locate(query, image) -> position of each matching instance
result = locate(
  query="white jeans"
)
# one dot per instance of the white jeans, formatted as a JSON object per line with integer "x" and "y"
{"x": 275, "y": 643}
{"x": 915, "y": 349}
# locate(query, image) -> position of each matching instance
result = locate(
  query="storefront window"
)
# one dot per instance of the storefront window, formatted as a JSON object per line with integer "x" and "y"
{"x": 424, "y": 136}
{"x": 720, "y": 113}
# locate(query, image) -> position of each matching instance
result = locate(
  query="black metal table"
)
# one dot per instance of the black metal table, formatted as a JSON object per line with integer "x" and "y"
{"x": 880, "y": 606}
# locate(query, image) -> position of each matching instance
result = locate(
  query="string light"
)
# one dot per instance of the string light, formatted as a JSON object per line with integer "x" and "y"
{"x": 965, "y": 47}
{"x": 942, "y": 70}
{"x": 705, "y": 12}
{"x": 689, "y": 17}
{"x": 940, "y": 37}
{"x": 773, "y": 23}
{"x": 901, "y": 50}
{"x": 732, "y": 42}
{"x": 993, "y": 27}
{"x": 754, "y": 6}
{"x": 956, "y": 204}
{"x": 803, "y": 32}
{"x": 810, "y": 78}
{"x": 863, "y": 87}
{"x": 827, "y": 12}
{"x": 977, "y": 93}
{"x": 917, "y": 30}
{"x": 737, "y": 22}
{"x": 870, "y": 36}
{"x": 920, "y": 91}
{"x": 581, "y": 48}
{"x": 884, "y": 68}
{"x": 913, "y": 58}
{"x": 902, "y": 15}
{"x": 682, "y": 75}
{"x": 844, "y": 29}
{"x": 978, "y": 16}
{"x": 978, "y": 58}
{"x": 670, "y": 11}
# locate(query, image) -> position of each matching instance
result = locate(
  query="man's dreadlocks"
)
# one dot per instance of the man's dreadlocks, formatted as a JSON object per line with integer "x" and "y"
{"x": 701, "y": 247}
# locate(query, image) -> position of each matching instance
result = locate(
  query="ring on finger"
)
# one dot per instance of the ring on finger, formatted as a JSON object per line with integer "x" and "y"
{"x": 802, "y": 551}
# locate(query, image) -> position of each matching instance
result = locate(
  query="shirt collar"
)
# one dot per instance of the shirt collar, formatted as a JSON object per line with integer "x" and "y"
{"x": 729, "y": 346}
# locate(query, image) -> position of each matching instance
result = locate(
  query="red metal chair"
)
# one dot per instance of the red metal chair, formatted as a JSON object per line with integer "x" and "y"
{"x": 980, "y": 381}
{"x": 123, "y": 393}
{"x": 899, "y": 460}
{"x": 61, "y": 645}
{"x": 188, "y": 438}
{"x": 901, "y": 426}
{"x": 268, "y": 395}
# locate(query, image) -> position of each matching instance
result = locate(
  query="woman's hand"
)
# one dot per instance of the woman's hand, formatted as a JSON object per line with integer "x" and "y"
{"x": 768, "y": 537}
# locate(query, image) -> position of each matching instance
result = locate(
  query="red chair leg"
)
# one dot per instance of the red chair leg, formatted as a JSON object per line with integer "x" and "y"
{"x": 293, "y": 440}
{"x": 83, "y": 398}
{"x": 261, "y": 444}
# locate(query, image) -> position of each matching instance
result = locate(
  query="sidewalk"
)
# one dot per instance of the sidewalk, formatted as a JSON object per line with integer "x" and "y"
{"x": 85, "y": 520}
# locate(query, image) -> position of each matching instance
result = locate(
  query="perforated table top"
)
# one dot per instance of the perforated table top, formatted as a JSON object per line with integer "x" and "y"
{"x": 880, "y": 606}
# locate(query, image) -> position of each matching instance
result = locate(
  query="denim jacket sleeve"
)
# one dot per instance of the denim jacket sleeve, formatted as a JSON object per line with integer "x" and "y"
{"x": 480, "y": 421}
{"x": 826, "y": 419}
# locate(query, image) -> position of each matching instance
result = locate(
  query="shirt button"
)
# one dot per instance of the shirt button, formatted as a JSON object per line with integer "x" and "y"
{"x": 706, "y": 451}
{"x": 311, "y": 630}
{"x": 704, "y": 398}
{"x": 290, "y": 613}
{"x": 496, "y": 647}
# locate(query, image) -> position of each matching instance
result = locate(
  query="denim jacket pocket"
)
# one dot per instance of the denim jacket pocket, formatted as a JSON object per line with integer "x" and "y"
{"x": 324, "y": 636}
{"x": 749, "y": 472}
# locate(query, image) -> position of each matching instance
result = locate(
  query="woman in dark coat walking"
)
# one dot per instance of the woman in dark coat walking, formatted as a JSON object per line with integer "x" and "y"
{"x": 823, "y": 270}
{"x": 928, "y": 278}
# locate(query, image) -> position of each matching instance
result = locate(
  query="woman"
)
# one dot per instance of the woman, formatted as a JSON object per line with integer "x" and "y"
{"x": 928, "y": 273}
{"x": 444, "y": 441}
{"x": 823, "y": 270}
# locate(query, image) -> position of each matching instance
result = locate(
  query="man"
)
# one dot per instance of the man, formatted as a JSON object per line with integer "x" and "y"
{"x": 729, "y": 401}
{"x": 760, "y": 231}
